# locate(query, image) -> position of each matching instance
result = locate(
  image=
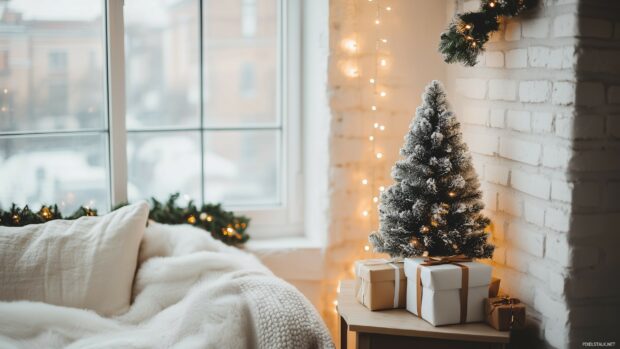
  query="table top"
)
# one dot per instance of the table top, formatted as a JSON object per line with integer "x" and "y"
{"x": 400, "y": 322}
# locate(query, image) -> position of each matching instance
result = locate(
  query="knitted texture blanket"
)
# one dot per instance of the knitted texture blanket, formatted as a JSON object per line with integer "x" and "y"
{"x": 190, "y": 291}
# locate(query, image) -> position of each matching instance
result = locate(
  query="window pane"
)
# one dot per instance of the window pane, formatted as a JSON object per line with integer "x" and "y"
{"x": 162, "y": 163}
{"x": 162, "y": 63}
{"x": 66, "y": 170}
{"x": 51, "y": 59}
{"x": 242, "y": 167}
{"x": 240, "y": 53}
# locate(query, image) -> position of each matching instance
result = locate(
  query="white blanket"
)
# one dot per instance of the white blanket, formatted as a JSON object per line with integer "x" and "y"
{"x": 190, "y": 291}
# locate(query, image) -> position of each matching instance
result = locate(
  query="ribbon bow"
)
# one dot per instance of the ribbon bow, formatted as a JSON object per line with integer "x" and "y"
{"x": 506, "y": 301}
{"x": 447, "y": 260}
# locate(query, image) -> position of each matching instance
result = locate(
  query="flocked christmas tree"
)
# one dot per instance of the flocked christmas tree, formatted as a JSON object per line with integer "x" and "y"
{"x": 434, "y": 206}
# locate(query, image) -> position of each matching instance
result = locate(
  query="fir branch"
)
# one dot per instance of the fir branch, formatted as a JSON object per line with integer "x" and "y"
{"x": 467, "y": 34}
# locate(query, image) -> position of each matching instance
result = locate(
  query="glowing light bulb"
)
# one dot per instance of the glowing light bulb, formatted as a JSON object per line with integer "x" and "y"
{"x": 350, "y": 45}
{"x": 371, "y": 138}
{"x": 467, "y": 26}
{"x": 377, "y": 21}
{"x": 373, "y": 108}
{"x": 383, "y": 62}
{"x": 383, "y": 94}
{"x": 375, "y": 199}
{"x": 6, "y": 90}
{"x": 365, "y": 213}
{"x": 451, "y": 194}
{"x": 376, "y": 125}
{"x": 352, "y": 72}
{"x": 389, "y": 8}
{"x": 384, "y": 41}
{"x": 382, "y": 128}
{"x": 364, "y": 181}
{"x": 366, "y": 248}
{"x": 379, "y": 155}
{"x": 473, "y": 44}
{"x": 381, "y": 188}
{"x": 491, "y": 4}
{"x": 335, "y": 302}
{"x": 372, "y": 80}
{"x": 424, "y": 229}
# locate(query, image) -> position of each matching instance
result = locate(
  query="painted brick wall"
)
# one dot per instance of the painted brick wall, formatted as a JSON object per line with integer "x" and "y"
{"x": 540, "y": 115}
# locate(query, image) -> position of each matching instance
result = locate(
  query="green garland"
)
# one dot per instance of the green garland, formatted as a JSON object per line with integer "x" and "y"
{"x": 468, "y": 32}
{"x": 223, "y": 225}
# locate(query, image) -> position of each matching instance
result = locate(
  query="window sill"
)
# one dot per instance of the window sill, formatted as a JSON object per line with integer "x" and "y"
{"x": 291, "y": 258}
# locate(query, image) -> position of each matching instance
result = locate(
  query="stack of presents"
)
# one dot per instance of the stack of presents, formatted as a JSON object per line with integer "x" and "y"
{"x": 442, "y": 291}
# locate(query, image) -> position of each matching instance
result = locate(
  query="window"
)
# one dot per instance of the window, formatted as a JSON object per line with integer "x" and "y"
{"x": 146, "y": 103}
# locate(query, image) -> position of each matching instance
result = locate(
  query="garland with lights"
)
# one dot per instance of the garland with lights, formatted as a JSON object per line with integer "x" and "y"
{"x": 468, "y": 32}
{"x": 223, "y": 225}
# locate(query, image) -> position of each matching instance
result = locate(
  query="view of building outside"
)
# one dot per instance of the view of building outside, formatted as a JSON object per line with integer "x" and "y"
{"x": 52, "y": 80}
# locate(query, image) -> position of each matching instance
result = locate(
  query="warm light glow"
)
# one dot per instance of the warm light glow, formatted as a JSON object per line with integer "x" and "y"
{"x": 375, "y": 199}
{"x": 351, "y": 71}
{"x": 364, "y": 181}
{"x": 373, "y": 108}
{"x": 383, "y": 62}
{"x": 338, "y": 289}
{"x": 467, "y": 26}
{"x": 383, "y": 94}
{"x": 473, "y": 44}
{"x": 379, "y": 155}
{"x": 377, "y": 21}
{"x": 389, "y": 8}
{"x": 350, "y": 45}
{"x": 381, "y": 188}
{"x": 371, "y": 138}
{"x": 372, "y": 81}
{"x": 451, "y": 194}
{"x": 209, "y": 218}
{"x": 424, "y": 229}
{"x": 229, "y": 229}
{"x": 335, "y": 302}
{"x": 376, "y": 125}
{"x": 191, "y": 219}
{"x": 384, "y": 41}
{"x": 382, "y": 128}
{"x": 366, "y": 248}
{"x": 6, "y": 90}
{"x": 365, "y": 213}
{"x": 491, "y": 4}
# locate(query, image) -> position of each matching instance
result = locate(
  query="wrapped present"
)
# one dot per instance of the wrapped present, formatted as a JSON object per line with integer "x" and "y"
{"x": 494, "y": 287}
{"x": 504, "y": 313}
{"x": 380, "y": 283}
{"x": 447, "y": 290}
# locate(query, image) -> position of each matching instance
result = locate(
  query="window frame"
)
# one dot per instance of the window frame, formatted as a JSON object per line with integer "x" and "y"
{"x": 285, "y": 219}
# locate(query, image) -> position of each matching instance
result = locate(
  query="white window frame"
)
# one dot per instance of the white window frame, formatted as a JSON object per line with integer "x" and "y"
{"x": 285, "y": 219}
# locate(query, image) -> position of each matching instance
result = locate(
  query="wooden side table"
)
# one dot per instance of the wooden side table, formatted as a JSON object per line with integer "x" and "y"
{"x": 398, "y": 328}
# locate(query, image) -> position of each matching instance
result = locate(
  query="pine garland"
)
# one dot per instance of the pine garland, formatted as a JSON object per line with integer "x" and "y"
{"x": 468, "y": 32}
{"x": 223, "y": 225}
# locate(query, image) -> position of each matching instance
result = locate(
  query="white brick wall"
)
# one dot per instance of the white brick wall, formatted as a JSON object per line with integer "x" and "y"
{"x": 554, "y": 107}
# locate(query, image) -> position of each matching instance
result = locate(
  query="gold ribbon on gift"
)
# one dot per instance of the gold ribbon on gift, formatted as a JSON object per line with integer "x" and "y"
{"x": 506, "y": 301}
{"x": 431, "y": 261}
{"x": 392, "y": 262}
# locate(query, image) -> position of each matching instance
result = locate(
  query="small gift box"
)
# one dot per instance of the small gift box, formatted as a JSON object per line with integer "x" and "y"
{"x": 494, "y": 287}
{"x": 504, "y": 313}
{"x": 448, "y": 290}
{"x": 380, "y": 284}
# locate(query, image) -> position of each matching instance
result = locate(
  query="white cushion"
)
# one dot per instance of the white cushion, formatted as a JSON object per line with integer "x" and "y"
{"x": 87, "y": 263}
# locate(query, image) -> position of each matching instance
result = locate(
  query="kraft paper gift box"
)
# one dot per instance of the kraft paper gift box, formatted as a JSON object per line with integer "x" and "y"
{"x": 449, "y": 291}
{"x": 380, "y": 284}
{"x": 504, "y": 313}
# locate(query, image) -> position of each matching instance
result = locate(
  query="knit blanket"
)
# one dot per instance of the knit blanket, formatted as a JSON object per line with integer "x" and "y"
{"x": 190, "y": 291}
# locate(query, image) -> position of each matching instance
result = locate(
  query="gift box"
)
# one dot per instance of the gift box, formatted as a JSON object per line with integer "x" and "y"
{"x": 494, "y": 287}
{"x": 447, "y": 290}
{"x": 380, "y": 284}
{"x": 504, "y": 313}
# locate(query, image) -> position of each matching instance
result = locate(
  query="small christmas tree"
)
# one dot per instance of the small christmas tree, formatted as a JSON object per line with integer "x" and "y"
{"x": 434, "y": 206}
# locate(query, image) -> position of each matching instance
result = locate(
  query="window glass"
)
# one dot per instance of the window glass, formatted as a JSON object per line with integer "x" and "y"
{"x": 162, "y": 63}
{"x": 44, "y": 50}
{"x": 242, "y": 167}
{"x": 44, "y": 169}
{"x": 245, "y": 53}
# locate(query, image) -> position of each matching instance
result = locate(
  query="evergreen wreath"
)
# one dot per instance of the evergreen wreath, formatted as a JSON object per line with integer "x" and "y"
{"x": 223, "y": 225}
{"x": 468, "y": 32}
